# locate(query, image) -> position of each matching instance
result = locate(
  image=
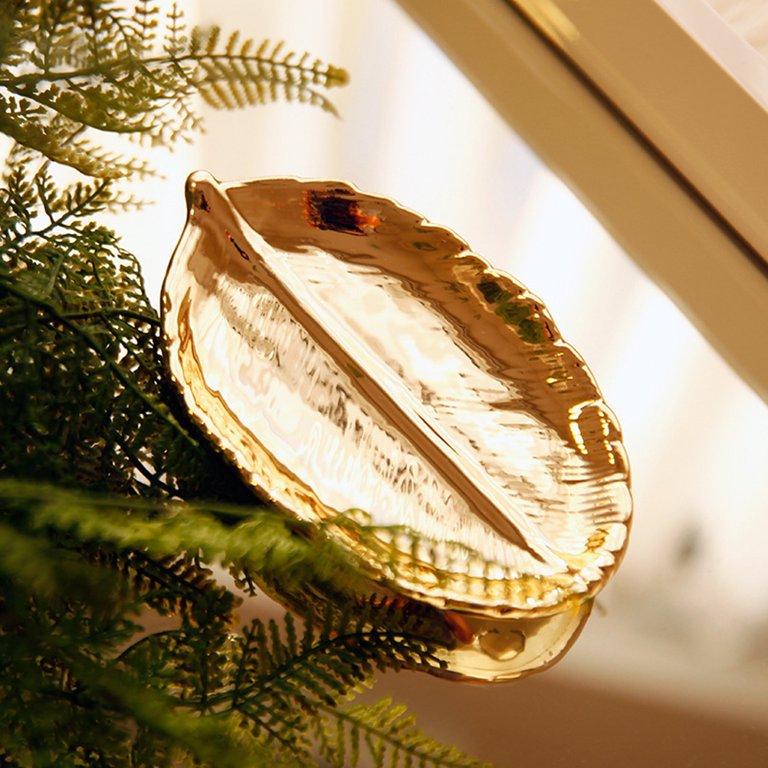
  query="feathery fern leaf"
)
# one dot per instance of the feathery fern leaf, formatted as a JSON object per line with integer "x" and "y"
{"x": 69, "y": 555}
{"x": 76, "y": 327}
{"x": 67, "y": 66}
{"x": 257, "y": 537}
{"x": 389, "y": 735}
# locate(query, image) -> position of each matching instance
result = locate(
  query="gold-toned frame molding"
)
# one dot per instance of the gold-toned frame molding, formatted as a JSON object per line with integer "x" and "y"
{"x": 653, "y": 132}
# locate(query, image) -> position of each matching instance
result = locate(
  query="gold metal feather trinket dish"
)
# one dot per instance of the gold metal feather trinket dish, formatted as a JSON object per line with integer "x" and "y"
{"x": 351, "y": 358}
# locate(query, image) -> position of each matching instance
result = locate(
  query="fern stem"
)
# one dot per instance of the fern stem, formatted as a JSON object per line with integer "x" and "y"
{"x": 79, "y": 115}
{"x": 275, "y": 734}
{"x": 332, "y": 75}
{"x": 151, "y": 320}
{"x": 306, "y": 658}
{"x": 142, "y": 467}
{"x": 101, "y": 186}
{"x": 142, "y": 641}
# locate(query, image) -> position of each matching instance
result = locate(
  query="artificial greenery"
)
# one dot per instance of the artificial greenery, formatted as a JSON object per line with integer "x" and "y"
{"x": 118, "y": 644}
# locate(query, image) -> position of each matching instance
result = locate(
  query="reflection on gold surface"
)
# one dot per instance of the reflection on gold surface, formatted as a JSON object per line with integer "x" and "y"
{"x": 347, "y": 355}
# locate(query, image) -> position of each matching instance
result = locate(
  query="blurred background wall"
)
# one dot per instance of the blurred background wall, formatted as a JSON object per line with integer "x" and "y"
{"x": 673, "y": 667}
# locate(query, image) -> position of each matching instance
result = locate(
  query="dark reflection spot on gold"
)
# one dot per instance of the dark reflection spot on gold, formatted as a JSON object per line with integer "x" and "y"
{"x": 338, "y": 213}
{"x": 459, "y": 626}
{"x": 513, "y": 314}
{"x": 243, "y": 254}
{"x": 491, "y": 290}
{"x": 531, "y": 330}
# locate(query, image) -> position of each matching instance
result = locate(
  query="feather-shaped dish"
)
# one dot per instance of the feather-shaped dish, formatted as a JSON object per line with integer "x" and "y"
{"x": 347, "y": 355}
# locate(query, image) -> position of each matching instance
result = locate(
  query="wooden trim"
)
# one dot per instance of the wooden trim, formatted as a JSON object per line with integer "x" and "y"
{"x": 547, "y": 78}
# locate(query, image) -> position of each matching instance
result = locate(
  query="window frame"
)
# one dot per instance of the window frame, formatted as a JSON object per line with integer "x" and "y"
{"x": 663, "y": 149}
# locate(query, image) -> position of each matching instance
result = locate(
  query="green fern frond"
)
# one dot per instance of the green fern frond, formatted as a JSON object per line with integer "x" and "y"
{"x": 289, "y": 689}
{"x": 57, "y": 137}
{"x": 175, "y": 39}
{"x": 257, "y": 536}
{"x": 389, "y": 735}
{"x": 75, "y": 323}
{"x": 69, "y": 66}
{"x": 145, "y": 24}
{"x": 282, "y": 686}
{"x": 233, "y": 77}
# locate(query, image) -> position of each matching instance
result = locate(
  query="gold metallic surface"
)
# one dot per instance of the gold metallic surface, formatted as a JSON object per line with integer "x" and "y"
{"x": 345, "y": 354}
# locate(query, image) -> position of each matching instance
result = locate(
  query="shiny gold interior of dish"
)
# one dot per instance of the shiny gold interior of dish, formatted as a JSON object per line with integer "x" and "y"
{"x": 347, "y": 355}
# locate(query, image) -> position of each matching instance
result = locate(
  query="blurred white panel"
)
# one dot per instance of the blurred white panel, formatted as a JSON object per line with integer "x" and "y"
{"x": 152, "y": 231}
